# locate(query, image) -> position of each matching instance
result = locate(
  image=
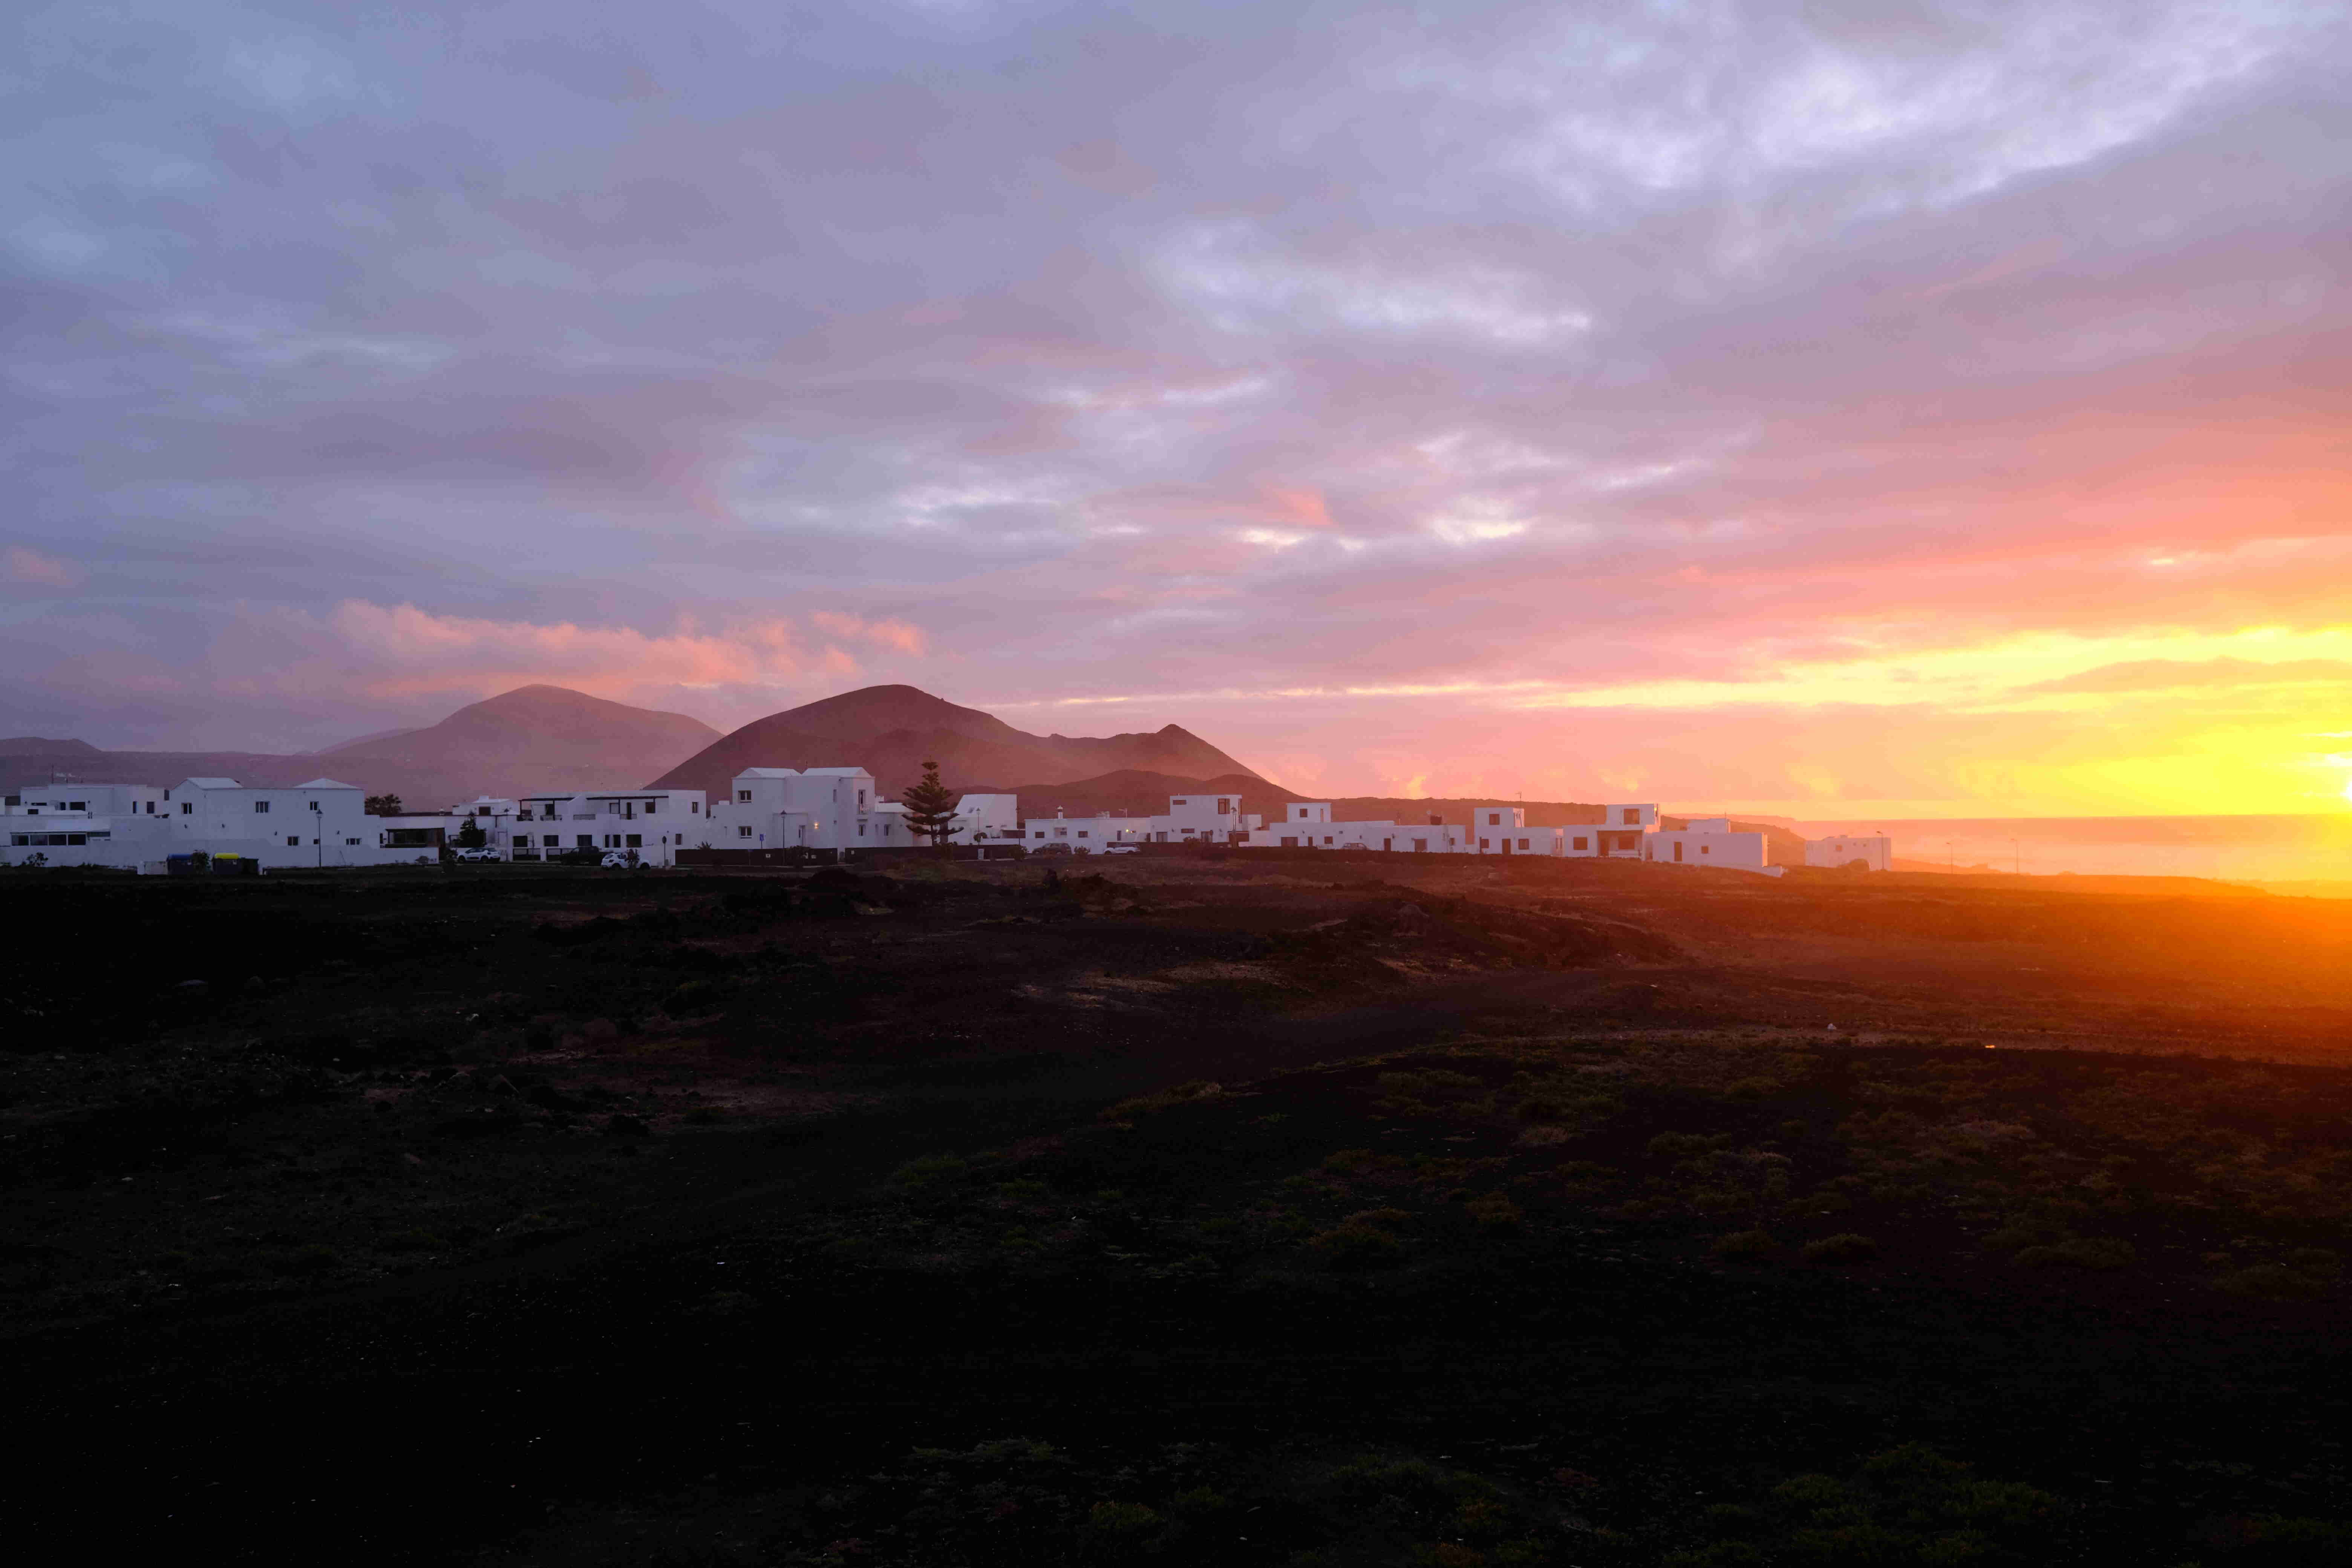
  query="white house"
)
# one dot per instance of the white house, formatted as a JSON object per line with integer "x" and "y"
{"x": 1875, "y": 851}
{"x": 1710, "y": 842}
{"x": 1621, "y": 834}
{"x": 86, "y": 824}
{"x": 319, "y": 823}
{"x": 1189, "y": 819}
{"x": 650, "y": 825}
{"x": 792, "y": 808}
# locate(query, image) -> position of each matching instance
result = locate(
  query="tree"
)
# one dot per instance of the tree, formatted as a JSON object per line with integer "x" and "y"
{"x": 471, "y": 835}
{"x": 383, "y": 806}
{"x": 930, "y": 807}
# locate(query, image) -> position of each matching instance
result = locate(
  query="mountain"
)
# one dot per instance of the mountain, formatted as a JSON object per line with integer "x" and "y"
{"x": 533, "y": 738}
{"x": 891, "y": 730}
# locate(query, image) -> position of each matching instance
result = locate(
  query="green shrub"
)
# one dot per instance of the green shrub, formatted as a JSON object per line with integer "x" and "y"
{"x": 1844, "y": 1247}
{"x": 1494, "y": 1213}
{"x": 1357, "y": 1246}
{"x": 2101, "y": 1252}
{"x": 2273, "y": 1282}
{"x": 1745, "y": 1244}
{"x": 1121, "y": 1519}
{"x": 929, "y": 1171}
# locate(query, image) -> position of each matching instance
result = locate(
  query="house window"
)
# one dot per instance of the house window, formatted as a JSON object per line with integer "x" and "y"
{"x": 1082, "y": 833}
{"x": 742, "y": 794}
{"x": 293, "y": 841}
{"x": 1421, "y": 846}
{"x": 649, "y": 806}
{"x": 1702, "y": 848}
{"x": 1482, "y": 843}
{"x": 1523, "y": 843}
{"x": 633, "y": 841}
{"x": 1290, "y": 843}
{"x": 261, "y": 805}
{"x": 1578, "y": 844}
{"x": 314, "y": 806}
{"x": 587, "y": 840}
{"x": 76, "y": 806}
{"x": 1224, "y": 807}
{"x": 1632, "y": 815}
{"x": 694, "y": 808}
{"x": 1327, "y": 838}
{"x": 350, "y": 841}
{"x": 743, "y": 832}
{"x": 187, "y": 808}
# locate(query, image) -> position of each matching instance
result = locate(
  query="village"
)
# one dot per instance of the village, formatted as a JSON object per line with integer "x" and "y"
{"x": 785, "y": 815}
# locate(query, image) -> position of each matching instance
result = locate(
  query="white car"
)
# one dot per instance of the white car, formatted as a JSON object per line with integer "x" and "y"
{"x": 1122, "y": 848}
{"x": 619, "y": 860}
{"x": 478, "y": 856}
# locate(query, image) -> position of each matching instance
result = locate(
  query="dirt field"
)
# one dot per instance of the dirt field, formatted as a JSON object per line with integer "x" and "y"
{"x": 1180, "y": 1211}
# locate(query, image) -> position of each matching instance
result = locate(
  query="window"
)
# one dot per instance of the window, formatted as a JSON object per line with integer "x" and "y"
{"x": 350, "y": 841}
{"x": 1421, "y": 846}
{"x": 1327, "y": 838}
{"x": 649, "y": 806}
{"x": 694, "y": 807}
{"x": 552, "y": 841}
{"x": 1082, "y": 833}
{"x": 1576, "y": 843}
{"x": 743, "y": 832}
{"x": 1224, "y": 807}
{"x": 314, "y": 806}
{"x": 633, "y": 841}
{"x": 861, "y": 800}
{"x": 587, "y": 840}
{"x": 1290, "y": 843}
{"x": 742, "y": 794}
{"x": 1702, "y": 848}
{"x": 76, "y": 806}
{"x": 1632, "y": 815}
{"x": 1482, "y": 843}
{"x": 260, "y": 806}
{"x": 293, "y": 841}
{"x": 1523, "y": 843}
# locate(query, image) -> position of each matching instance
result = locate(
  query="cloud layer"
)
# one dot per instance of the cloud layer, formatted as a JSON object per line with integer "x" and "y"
{"x": 1844, "y": 402}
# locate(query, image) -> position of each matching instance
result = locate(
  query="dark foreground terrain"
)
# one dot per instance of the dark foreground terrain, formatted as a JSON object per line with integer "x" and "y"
{"x": 1183, "y": 1212}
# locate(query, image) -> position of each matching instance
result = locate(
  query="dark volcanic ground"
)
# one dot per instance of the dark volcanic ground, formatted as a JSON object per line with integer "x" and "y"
{"x": 1196, "y": 1211}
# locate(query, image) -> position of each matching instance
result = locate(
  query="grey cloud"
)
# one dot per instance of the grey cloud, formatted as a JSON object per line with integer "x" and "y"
{"x": 1730, "y": 311}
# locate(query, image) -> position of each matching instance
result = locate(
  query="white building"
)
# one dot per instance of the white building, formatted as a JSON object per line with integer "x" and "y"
{"x": 792, "y": 808}
{"x": 1189, "y": 819}
{"x": 1877, "y": 852}
{"x": 1710, "y": 842}
{"x": 305, "y": 827}
{"x": 86, "y": 824}
{"x": 649, "y": 825}
{"x": 1492, "y": 830}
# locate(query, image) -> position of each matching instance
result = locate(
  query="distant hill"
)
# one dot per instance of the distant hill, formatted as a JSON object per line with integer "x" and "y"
{"x": 891, "y": 730}
{"x": 35, "y": 746}
{"x": 532, "y": 738}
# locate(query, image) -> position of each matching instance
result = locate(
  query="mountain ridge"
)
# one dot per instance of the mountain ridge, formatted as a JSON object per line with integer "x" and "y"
{"x": 892, "y": 731}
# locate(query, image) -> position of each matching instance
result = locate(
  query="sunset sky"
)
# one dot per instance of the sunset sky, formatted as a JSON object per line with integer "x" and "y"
{"x": 1824, "y": 408}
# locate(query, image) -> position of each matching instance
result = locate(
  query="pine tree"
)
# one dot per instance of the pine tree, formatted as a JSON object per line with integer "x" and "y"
{"x": 930, "y": 807}
{"x": 383, "y": 806}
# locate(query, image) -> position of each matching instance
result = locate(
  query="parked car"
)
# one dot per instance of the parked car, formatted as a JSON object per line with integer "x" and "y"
{"x": 483, "y": 855}
{"x": 1050, "y": 849}
{"x": 1122, "y": 848}
{"x": 620, "y": 860}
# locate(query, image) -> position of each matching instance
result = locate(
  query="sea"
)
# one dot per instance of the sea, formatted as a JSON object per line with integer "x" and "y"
{"x": 2267, "y": 849}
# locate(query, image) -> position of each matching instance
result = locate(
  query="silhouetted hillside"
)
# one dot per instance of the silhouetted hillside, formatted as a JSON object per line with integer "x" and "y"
{"x": 891, "y": 730}
{"x": 532, "y": 738}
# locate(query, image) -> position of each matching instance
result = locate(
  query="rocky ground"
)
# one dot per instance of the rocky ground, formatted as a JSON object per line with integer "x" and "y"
{"x": 1181, "y": 1210}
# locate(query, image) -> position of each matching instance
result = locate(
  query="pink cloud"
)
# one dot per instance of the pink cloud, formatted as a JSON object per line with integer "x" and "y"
{"x": 23, "y": 566}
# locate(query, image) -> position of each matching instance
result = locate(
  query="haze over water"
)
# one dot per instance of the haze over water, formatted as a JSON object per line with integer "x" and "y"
{"x": 2233, "y": 849}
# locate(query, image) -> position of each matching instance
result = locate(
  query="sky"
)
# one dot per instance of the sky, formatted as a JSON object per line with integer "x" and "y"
{"x": 1828, "y": 408}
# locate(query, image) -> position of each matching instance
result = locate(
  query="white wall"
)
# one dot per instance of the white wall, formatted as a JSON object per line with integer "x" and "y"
{"x": 1875, "y": 852}
{"x": 652, "y": 824}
